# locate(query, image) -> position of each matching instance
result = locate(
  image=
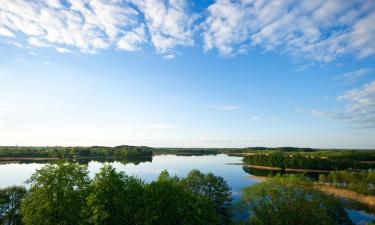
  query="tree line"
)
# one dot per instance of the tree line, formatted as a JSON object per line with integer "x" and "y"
{"x": 361, "y": 182}
{"x": 122, "y": 151}
{"x": 298, "y": 161}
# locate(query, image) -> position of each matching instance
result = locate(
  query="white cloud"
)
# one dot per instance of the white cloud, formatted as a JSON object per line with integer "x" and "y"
{"x": 229, "y": 107}
{"x": 54, "y": 4}
{"x": 156, "y": 126}
{"x": 359, "y": 107}
{"x": 98, "y": 24}
{"x": 37, "y": 42}
{"x": 255, "y": 118}
{"x": 88, "y": 26}
{"x": 225, "y": 107}
{"x": 353, "y": 76}
{"x": 170, "y": 56}
{"x": 169, "y": 23}
{"x": 313, "y": 30}
{"x": 131, "y": 40}
{"x": 62, "y": 50}
{"x": 33, "y": 53}
{"x": 225, "y": 26}
{"x": 14, "y": 43}
{"x": 5, "y": 32}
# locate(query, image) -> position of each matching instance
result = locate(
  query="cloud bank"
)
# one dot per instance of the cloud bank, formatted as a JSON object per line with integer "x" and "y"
{"x": 90, "y": 26}
{"x": 354, "y": 76}
{"x": 318, "y": 31}
{"x": 359, "y": 107}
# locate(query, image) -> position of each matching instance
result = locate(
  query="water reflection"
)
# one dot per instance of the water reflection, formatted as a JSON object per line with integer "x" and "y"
{"x": 134, "y": 160}
{"x": 124, "y": 161}
{"x": 268, "y": 172}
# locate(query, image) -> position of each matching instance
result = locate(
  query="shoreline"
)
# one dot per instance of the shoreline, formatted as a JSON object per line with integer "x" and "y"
{"x": 18, "y": 159}
{"x": 6, "y": 159}
{"x": 286, "y": 169}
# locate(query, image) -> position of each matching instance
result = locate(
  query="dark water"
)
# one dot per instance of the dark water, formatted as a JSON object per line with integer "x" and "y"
{"x": 149, "y": 168}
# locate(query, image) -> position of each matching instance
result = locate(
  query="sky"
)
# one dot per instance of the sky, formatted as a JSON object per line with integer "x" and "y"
{"x": 176, "y": 73}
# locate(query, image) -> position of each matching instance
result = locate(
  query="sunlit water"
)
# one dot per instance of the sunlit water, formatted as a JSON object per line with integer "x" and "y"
{"x": 221, "y": 165}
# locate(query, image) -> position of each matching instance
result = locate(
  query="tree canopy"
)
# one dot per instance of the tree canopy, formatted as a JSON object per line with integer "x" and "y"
{"x": 10, "y": 201}
{"x": 63, "y": 194}
{"x": 57, "y": 195}
{"x": 292, "y": 200}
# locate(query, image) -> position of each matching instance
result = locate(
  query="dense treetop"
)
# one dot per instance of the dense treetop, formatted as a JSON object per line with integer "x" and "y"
{"x": 292, "y": 200}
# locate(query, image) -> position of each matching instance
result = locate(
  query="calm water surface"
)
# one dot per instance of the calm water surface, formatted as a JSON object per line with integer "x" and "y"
{"x": 222, "y": 165}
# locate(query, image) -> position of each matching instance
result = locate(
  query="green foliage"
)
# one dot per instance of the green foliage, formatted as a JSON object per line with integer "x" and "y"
{"x": 115, "y": 198}
{"x": 301, "y": 161}
{"x": 10, "y": 201}
{"x": 361, "y": 182}
{"x": 216, "y": 189}
{"x": 291, "y": 200}
{"x": 123, "y": 151}
{"x": 62, "y": 194}
{"x": 170, "y": 202}
{"x": 56, "y": 196}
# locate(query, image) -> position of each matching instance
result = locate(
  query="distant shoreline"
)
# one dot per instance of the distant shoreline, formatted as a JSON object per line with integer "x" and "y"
{"x": 20, "y": 159}
{"x": 281, "y": 169}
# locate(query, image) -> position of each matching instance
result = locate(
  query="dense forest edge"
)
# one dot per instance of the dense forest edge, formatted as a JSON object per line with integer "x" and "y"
{"x": 63, "y": 192}
{"x": 319, "y": 160}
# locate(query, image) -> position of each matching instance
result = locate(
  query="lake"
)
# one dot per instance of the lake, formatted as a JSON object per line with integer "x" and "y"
{"x": 149, "y": 168}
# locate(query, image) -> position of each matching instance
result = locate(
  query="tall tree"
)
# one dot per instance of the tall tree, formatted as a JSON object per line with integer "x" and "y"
{"x": 115, "y": 198}
{"x": 217, "y": 191}
{"x": 169, "y": 202}
{"x": 57, "y": 195}
{"x": 292, "y": 200}
{"x": 10, "y": 201}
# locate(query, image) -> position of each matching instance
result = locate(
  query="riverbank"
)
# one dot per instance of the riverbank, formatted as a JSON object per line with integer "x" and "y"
{"x": 17, "y": 159}
{"x": 8, "y": 160}
{"x": 286, "y": 169}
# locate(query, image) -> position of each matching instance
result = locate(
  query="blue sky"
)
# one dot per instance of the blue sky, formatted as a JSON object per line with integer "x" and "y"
{"x": 188, "y": 73}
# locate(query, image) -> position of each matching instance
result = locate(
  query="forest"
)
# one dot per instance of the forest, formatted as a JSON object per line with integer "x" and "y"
{"x": 76, "y": 152}
{"x": 297, "y": 160}
{"x": 64, "y": 194}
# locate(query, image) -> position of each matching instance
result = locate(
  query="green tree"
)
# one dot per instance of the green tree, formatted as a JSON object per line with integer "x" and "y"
{"x": 292, "y": 200}
{"x": 115, "y": 198}
{"x": 217, "y": 191}
{"x": 169, "y": 202}
{"x": 10, "y": 201}
{"x": 57, "y": 195}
